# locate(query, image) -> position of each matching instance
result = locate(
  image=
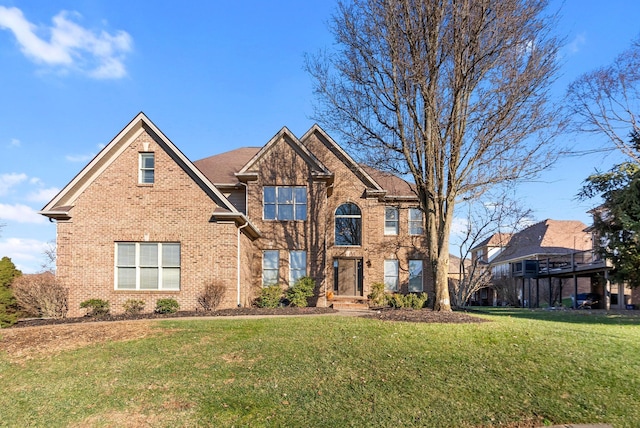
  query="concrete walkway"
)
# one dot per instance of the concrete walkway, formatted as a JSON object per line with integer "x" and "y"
{"x": 581, "y": 426}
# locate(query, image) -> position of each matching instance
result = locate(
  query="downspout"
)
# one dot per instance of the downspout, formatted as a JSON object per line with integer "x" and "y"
{"x": 246, "y": 202}
{"x": 238, "y": 260}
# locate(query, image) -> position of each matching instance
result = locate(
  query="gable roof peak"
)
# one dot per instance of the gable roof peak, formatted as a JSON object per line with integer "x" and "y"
{"x": 60, "y": 206}
{"x": 289, "y": 137}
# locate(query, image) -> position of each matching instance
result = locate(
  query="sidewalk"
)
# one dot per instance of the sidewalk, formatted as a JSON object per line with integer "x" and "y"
{"x": 581, "y": 426}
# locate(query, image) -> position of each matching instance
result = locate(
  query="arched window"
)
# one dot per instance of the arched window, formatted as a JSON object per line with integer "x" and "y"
{"x": 348, "y": 225}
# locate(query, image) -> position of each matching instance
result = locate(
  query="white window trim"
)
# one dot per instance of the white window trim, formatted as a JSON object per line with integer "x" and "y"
{"x": 396, "y": 229}
{"x": 347, "y": 216}
{"x": 421, "y": 276}
{"x": 294, "y": 203}
{"x": 141, "y": 168}
{"x": 277, "y": 268}
{"x": 138, "y": 267}
{"x": 388, "y": 274}
{"x": 291, "y": 270}
{"x": 411, "y": 222}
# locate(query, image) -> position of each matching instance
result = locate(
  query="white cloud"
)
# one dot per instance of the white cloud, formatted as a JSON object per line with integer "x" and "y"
{"x": 20, "y": 213}
{"x": 83, "y": 158}
{"x": 7, "y": 181}
{"x": 79, "y": 158}
{"x": 43, "y": 195}
{"x": 576, "y": 44}
{"x": 459, "y": 225}
{"x": 26, "y": 254}
{"x": 15, "y": 143}
{"x": 98, "y": 54}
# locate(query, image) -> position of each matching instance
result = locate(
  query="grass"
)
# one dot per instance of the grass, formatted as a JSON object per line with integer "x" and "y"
{"x": 525, "y": 368}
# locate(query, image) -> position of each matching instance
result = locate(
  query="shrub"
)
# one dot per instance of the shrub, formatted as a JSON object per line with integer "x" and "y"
{"x": 301, "y": 291}
{"x": 212, "y": 295}
{"x": 166, "y": 306}
{"x": 269, "y": 297}
{"x": 415, "y": 301}
{"x": 8, "y": 315}
{"x": 377, "y": 297}
{"x": 411, "y": 300}
{"x": 96, "y": 307}
{"x": 395, "y": 300}
{"x": 133, "y": 306}
{"x": 41, "y": 295}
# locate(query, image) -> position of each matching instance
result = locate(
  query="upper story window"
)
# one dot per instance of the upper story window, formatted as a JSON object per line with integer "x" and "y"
{"x": 147, "y": 266}
{"x": 416, "y": 221}
{"x": 284, "y": 203}
{"x": 147, "y": 167}
{"x": 391, "y": 221}
{"x": 348, "y": 225}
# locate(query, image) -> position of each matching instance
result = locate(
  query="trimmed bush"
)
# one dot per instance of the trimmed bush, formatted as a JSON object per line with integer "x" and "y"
{"x": 377, "y": 297}
{"x": 395, "y": 300}
{"x": 166, "y": 306}
{"x": 411, "y": 300}
{"x": 96, "y": 307}
{"x": 299, "y": 294}
{"x": 269, "y": 297}
{"x": 212, "y": 296}
{"x": 133, "y": 306}
{"x": 415, "y": 301}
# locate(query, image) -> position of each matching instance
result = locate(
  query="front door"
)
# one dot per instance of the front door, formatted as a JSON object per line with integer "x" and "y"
{"x": 347, "y": 277}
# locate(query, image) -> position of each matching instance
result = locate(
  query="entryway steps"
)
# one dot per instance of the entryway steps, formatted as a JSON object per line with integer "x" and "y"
{"x": 350, "y": 305}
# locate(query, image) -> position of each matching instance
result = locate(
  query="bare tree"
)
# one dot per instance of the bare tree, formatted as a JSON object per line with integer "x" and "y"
{"x": 453, "y": 93}
{"x": 50, "y": 255}
{"x": 502, "y": 214}
{"x": 606, "y": 101}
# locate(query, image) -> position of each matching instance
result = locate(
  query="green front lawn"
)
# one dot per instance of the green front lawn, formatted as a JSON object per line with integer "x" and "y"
{"x": 522, "y": 369}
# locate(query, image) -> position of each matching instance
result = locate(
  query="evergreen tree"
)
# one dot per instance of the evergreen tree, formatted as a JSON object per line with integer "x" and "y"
{"x": 8, "y": 306}
{"x": 617, "y": 220}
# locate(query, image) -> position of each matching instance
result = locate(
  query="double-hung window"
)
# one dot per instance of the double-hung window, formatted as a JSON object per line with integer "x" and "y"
{"x": 391, "y": 275}
{"x": 297, "y": 266}
{"x": 146, "y": 174}
{"x": 391, "y": 222}
{"x": 270, "y": 267}
{"x": 416, "y": 221}
{"x": 284, "y": 202}
{"x": 147, "y": 266}
{"x": 415, "y": 276}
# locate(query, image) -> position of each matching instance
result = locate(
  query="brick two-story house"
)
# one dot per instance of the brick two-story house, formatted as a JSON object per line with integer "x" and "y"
{"x": 141, "y": 221}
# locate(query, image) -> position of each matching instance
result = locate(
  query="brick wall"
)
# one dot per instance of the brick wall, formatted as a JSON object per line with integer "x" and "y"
{"x": 283, "y": 165}
{"x": 114, "y": 207}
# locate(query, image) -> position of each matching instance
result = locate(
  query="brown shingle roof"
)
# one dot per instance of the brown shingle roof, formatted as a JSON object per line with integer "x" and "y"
{"x": 545, "y": 238}
{"x": 499, "y": 239}
{"x": 394, "y": 185}
{"x": 220, "y": 169}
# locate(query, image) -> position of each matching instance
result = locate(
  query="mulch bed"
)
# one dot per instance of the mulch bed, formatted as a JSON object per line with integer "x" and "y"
{"x": 383, "y": 314}
{"x": 180, "y": 314}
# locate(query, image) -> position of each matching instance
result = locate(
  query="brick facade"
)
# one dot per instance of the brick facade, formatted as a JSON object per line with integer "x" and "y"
{"x": 105, "y": 204}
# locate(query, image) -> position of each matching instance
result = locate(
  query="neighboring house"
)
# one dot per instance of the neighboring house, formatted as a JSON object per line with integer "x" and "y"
{"x": 141, "y": 221}
{"x": 515, "y": 260}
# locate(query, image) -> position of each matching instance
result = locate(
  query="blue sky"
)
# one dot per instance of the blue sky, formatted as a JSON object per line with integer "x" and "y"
{"x": 212, "y": 76}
